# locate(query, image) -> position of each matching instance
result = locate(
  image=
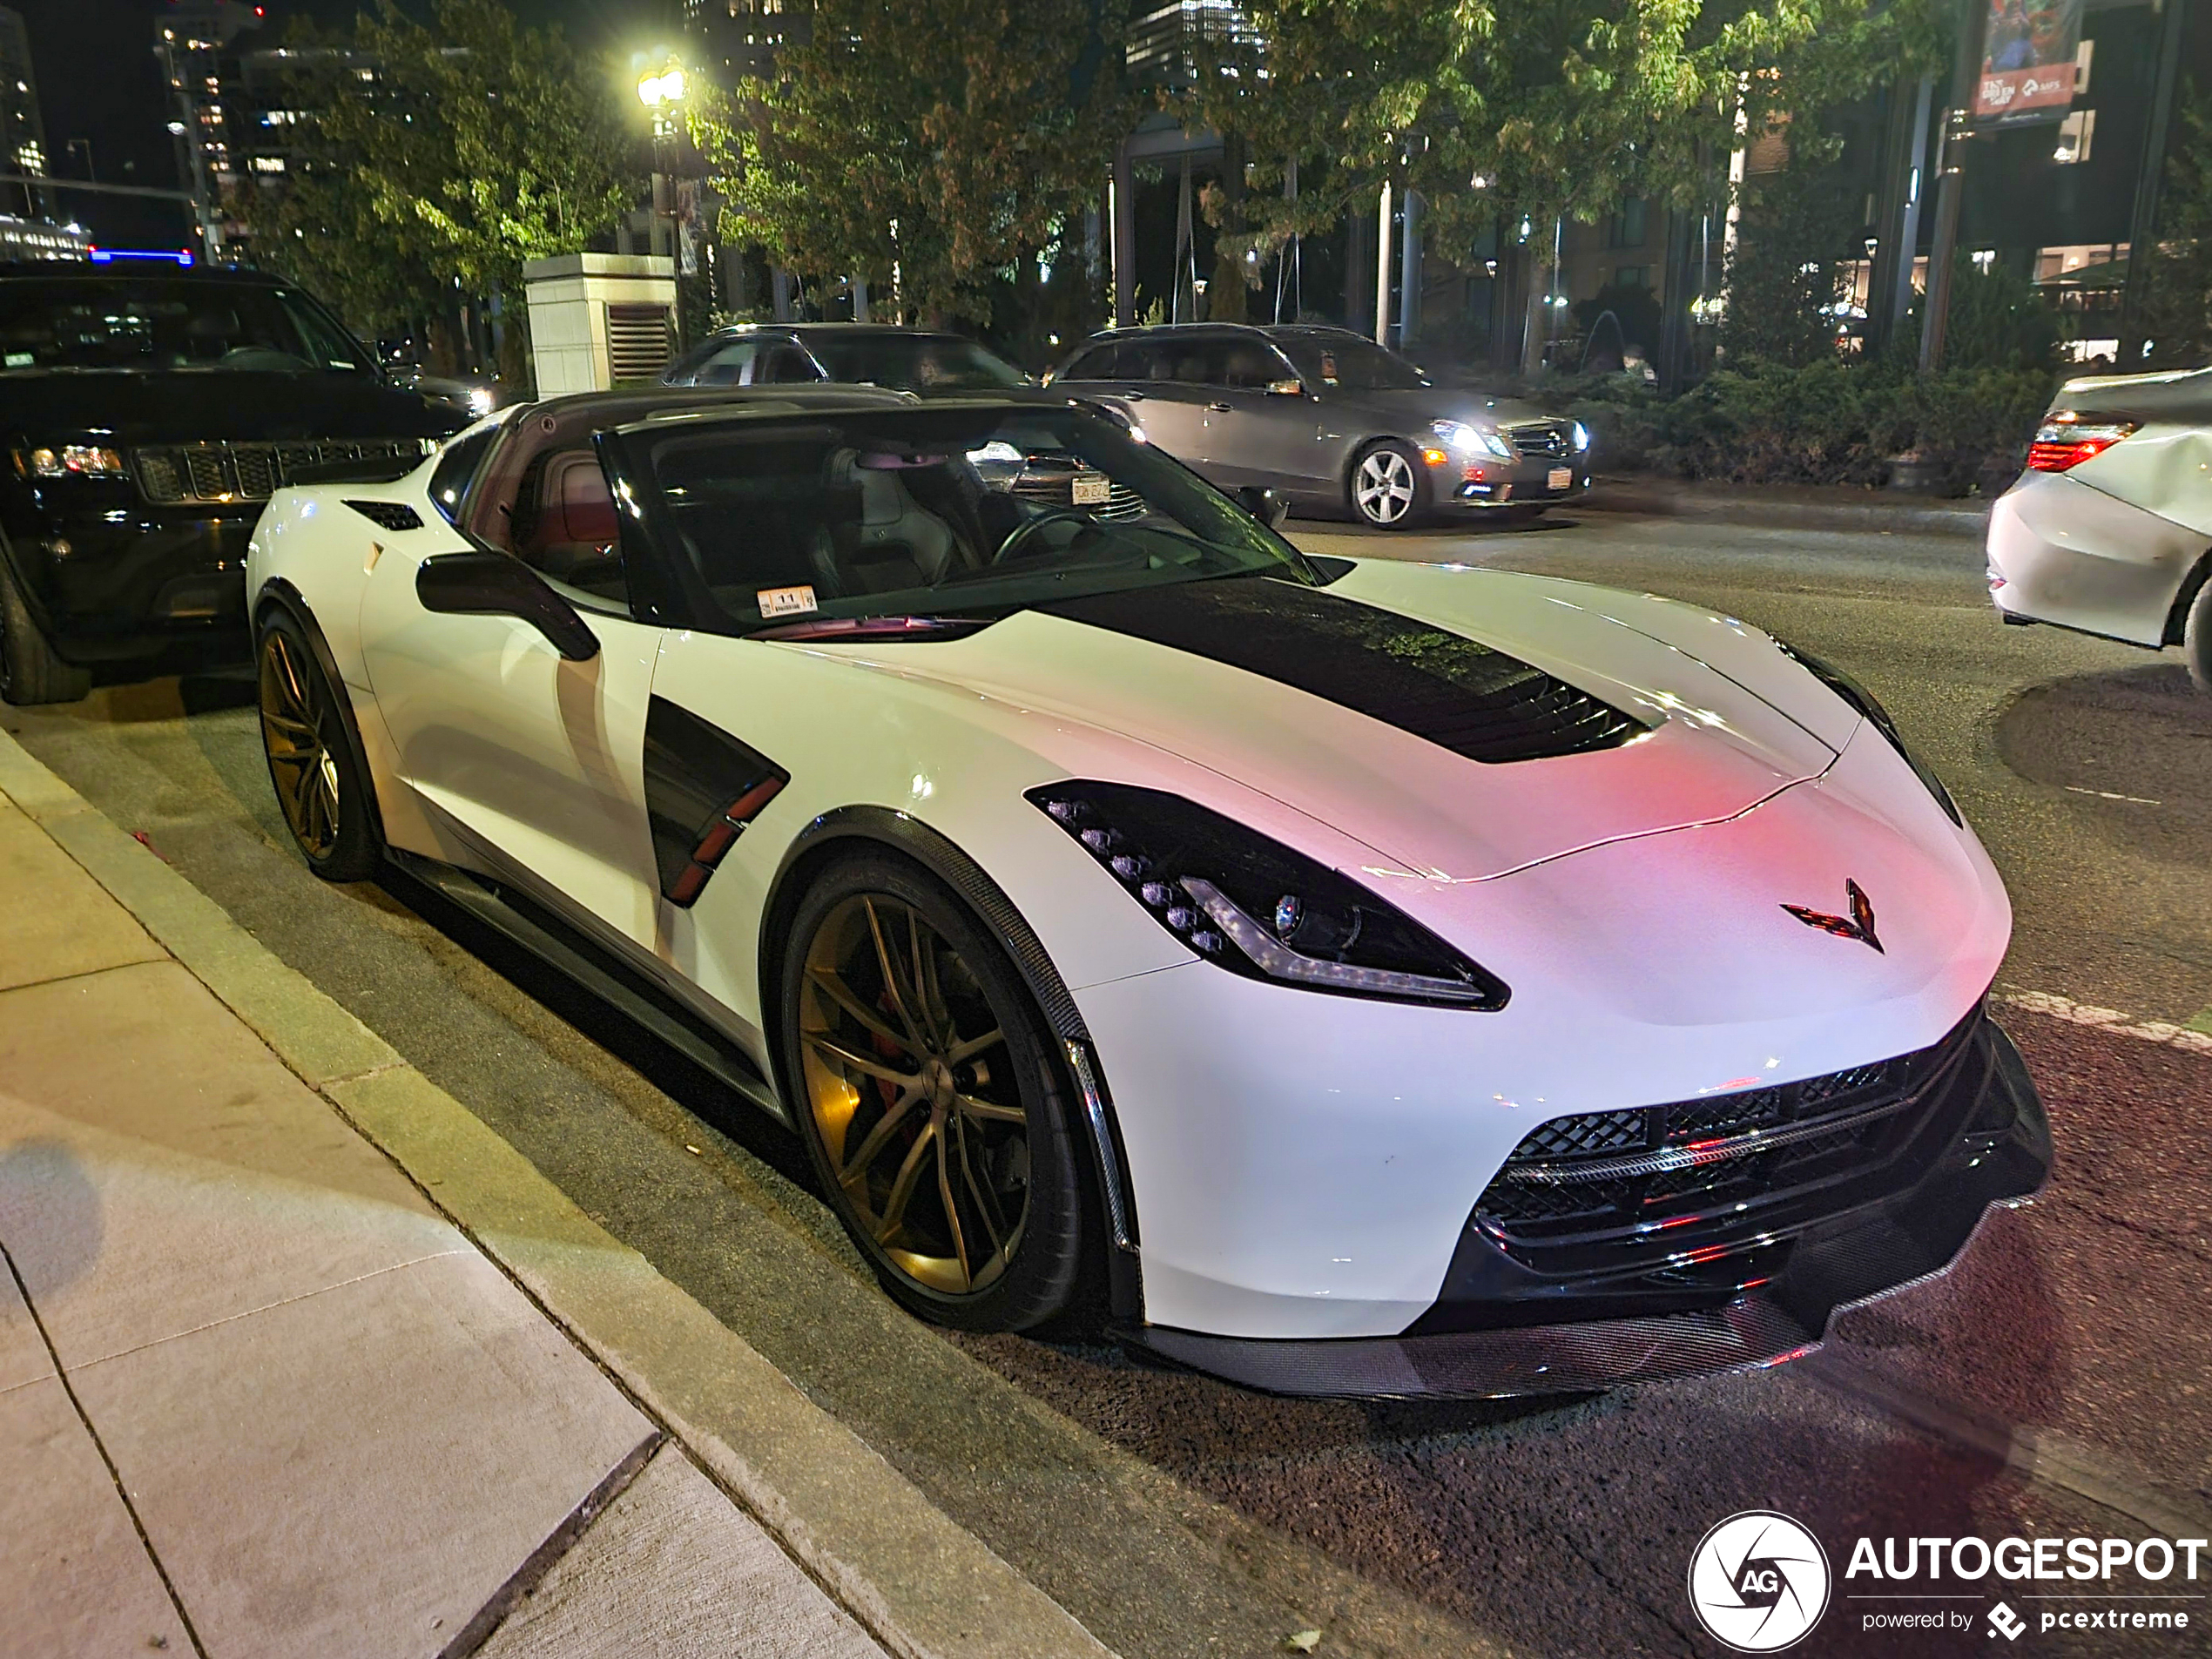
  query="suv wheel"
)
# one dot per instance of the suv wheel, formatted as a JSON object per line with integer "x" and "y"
{"x": 29, "y": 673}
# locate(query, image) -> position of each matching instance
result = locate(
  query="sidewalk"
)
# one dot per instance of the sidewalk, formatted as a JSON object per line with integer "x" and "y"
{"x": 258, "y": 1394}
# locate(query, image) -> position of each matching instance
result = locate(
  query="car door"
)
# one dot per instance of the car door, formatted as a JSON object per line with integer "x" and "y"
{"x": 529, "y": 763}
{"x": 1257, "y": 431}
{"x": 1159, "y": 382}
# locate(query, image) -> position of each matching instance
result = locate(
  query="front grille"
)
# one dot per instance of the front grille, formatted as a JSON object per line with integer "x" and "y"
{"x": 1058, "y": 490}
{"x": 1678, "y": 1186}
{"x": 170, "y": 474}
{"x": 1539, "y": 438}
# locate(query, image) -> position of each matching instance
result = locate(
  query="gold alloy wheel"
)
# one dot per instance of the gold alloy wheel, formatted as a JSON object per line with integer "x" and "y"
{"x": 301, "y": 764}
{"x": 913, "y": 1094}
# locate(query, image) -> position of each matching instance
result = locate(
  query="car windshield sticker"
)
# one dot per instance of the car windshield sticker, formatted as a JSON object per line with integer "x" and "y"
{"x": 786, "y": 602}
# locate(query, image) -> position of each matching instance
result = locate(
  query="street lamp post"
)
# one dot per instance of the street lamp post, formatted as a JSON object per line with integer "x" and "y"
{"x": 662, "y": 93}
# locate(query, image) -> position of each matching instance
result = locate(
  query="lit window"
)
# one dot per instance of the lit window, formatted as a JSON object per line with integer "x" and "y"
{"x": 2075, "y": 135}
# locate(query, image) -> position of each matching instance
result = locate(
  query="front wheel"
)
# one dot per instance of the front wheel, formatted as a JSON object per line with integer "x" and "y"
{"x": 929, "y": 1098}
{"x": 2196, "y": 638}
{"x": 1387, "y": 492}
{"x": 311, "y": 765}
{"x": 29, "y": 673}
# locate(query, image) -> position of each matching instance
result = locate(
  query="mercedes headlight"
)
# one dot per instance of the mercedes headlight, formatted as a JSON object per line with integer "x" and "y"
{"x": 1864, "y": 701}
{"x": 481, "y": 400}
{"x": 1471, "y": 441}
{"x": 1256, "y": 907}
{"x": 1581, "y": 436}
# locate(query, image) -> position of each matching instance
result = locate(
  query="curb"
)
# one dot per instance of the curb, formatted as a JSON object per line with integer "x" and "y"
{"x": 1898, "y": 514}
{"x": 919, "y": 1583}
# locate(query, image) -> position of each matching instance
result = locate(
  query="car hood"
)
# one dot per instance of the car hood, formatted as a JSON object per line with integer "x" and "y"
{"x": 1411, "y": 411}
{"x": 1365, "y": 707}
{"x": 138, "y": 408}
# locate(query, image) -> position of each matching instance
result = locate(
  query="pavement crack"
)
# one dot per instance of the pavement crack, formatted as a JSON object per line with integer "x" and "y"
{"x": 122, "y": 1493}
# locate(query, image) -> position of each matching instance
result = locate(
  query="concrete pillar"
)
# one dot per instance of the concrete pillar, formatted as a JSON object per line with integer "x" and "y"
{"x": 1409, "y": 274}
{"x": 1122, "y": 235}
{"x": 1382, "y": 268}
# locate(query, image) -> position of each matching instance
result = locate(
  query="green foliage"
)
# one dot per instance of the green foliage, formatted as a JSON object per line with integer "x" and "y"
{"x": 2177, "y": 296}
{"x": 1796, "y": 225}
{"x": 1997, "y": 321}
{"x": 1634, "y": 307}
{"x": 951, "y": 140}
{"x": 1557, "y": 107}
{"x": 443, "y": 154}
{"x": 1829, "y": 421}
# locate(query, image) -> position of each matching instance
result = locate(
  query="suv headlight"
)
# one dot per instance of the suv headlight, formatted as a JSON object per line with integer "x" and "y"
{"x": 1864, "y": 700}
{"x": 1471, "y": 441}
{"x": 1256, "y": 907}
{"x": 83, "y": 459}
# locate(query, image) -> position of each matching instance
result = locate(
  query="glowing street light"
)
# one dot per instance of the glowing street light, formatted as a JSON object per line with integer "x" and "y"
{"x": 667, "y": 87}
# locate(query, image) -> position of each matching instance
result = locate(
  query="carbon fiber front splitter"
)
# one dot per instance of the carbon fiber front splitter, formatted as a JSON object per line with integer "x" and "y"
{"x": 1872, "y": 1252}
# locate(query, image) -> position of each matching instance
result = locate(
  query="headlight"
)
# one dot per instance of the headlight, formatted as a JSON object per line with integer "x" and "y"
{"x": 1864, "y": 700}
{"x": 1581, "y": 436}
{"x": 1256, "y": 907}
{"x": 481, "y": 400}
{"x": 1471, "y": 441}
{"x": 84, "y": 459}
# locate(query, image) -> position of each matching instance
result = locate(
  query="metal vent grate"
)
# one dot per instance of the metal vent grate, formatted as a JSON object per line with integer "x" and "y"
{"x": 639, "y": 342}
{"x": 392, "y": 515}
{"x": 172, "y": 473}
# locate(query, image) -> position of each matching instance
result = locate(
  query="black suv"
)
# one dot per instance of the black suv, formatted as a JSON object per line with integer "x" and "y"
{"x": 145, "y": 417}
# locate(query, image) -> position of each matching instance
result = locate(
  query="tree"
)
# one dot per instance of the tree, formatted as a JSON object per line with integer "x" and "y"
{"x": 930, "y": 146}
{"x": 438, "y": 157}
{"x": 1551, "y": 108}
{"x": 2178, "y": 295}
{"x": 1782, "y": 275}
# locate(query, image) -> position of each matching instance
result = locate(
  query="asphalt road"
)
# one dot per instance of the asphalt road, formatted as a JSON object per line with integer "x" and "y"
{"x": 1177, "y": 1516}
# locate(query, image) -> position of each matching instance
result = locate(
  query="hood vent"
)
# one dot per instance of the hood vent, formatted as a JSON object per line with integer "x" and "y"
{"x": 1454, "y": 691}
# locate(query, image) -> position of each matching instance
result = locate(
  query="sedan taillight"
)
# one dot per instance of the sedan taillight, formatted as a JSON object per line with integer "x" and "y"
{"x": 2066, "y": 440}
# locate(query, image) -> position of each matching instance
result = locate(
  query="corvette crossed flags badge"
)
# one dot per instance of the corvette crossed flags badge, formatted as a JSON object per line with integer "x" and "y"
{"x": 1858, "y": 925}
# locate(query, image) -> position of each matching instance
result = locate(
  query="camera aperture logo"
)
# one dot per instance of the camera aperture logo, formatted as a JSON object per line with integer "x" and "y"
{"x": 1758, "y": 1581}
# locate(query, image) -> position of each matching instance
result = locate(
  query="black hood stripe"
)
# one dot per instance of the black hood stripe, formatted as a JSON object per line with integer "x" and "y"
{"x": 1454, "y": 691}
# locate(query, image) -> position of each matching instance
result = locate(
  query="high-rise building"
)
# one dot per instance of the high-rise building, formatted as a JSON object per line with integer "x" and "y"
{"x": 193, "y": 42}
{"x": 22, "y": 134}
{"x": 735, "y": 38}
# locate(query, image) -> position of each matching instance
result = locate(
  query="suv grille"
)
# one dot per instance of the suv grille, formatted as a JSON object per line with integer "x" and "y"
{"x": 1538, "y": 438}
{"x": 233, "y": 472}
{"x": 1676, "y": 1186}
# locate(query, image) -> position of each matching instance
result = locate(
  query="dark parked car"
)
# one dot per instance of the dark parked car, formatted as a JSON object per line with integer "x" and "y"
{"x": 1331, "y": 422}
{"x": 905, "y": 359}
{"x": 147, "y": 416}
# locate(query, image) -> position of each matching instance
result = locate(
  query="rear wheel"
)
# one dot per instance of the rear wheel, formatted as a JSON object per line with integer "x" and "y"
{"x": 303, "y": 732}
{"x": 929, "y": 1098}
{"x": 29, "y": 673}
{"x": 1386, "y": 488}
{"x": 2196, "y": 638}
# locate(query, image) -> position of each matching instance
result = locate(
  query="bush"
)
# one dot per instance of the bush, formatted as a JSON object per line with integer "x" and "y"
{"x": 1832, "y": 421}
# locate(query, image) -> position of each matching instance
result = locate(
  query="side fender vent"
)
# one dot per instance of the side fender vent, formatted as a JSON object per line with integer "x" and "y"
{"x": 392, "y": 515}
{"x": 703, "y": 786}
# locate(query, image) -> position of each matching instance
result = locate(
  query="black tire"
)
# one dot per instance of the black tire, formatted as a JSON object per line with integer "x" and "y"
{"x": 321, "y": 789}
{"x": 29, "y": 673}
{"x": 2196, "y": 638}
{"x": 1388, "y": 488}
{"x": 876, "y": 924}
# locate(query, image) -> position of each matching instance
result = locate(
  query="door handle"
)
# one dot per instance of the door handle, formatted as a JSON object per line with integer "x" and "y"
{"x": 1220, "y": 408}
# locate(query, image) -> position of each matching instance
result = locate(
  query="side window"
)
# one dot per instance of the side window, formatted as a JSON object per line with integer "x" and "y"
{"x": 1244, "y": 364}
{"x": 788, "y": 366}
{"x": 566, "y": 529}
{"x": 457, "y": 471}
{"x": 731, "y": 365}
{"x": 1170, "y": 360}
{"x": 1096, "y": 364}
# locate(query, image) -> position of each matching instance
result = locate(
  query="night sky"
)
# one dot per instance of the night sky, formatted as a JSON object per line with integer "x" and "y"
{"x": 98, "y": 80}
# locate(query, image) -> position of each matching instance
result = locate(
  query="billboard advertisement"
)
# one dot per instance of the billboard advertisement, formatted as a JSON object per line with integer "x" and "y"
{"x": 2027, "y": 67}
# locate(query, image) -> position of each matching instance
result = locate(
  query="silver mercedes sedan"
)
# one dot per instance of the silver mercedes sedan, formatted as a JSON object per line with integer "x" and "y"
{"x": 1331, "y": 422}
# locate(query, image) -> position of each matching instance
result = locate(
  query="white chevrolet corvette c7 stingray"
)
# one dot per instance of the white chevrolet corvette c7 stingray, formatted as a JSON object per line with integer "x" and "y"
{"x": 1362, "y": 977}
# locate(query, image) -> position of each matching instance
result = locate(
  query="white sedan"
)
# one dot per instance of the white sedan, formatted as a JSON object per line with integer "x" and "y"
{"x": 1346, "y": 976}
{"x": 2110, "y": 531}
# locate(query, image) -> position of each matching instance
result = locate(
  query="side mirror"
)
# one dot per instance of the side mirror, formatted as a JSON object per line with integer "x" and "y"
{"x": 1286, "y": 389}
{"x": 493, "y": 585}
{"x": 1264, "y": 505}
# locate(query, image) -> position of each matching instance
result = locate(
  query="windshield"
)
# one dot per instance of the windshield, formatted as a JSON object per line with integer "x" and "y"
{"x": 935, "y": 513}
{"x": 1352, "y": 363}
{"x": 146, "y": 325}
{"x": 914, "y": 362}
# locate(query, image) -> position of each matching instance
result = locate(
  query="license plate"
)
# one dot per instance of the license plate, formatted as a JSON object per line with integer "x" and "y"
{"x": 1560, "y": 478}
{"x": 1090, "y": 490}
